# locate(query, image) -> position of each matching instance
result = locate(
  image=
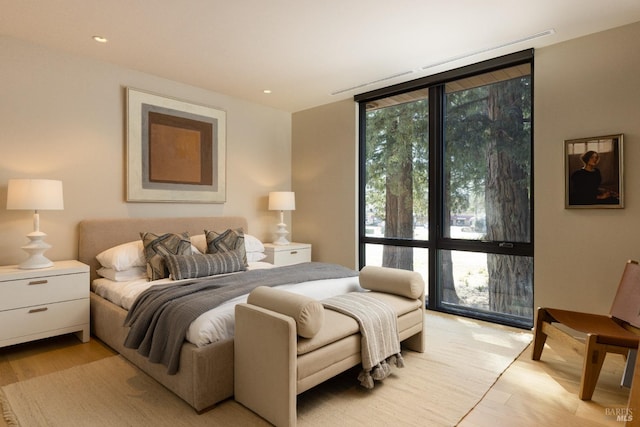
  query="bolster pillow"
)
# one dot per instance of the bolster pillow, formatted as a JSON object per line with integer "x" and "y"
{"x": 307, "y": 312}
{"x": 392, "y": 280}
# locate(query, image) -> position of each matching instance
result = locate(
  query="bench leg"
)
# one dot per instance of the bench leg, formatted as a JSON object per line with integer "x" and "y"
{"x": 417, "y": 342}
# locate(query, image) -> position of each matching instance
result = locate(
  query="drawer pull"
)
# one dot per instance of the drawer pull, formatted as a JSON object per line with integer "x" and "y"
{"x": 294, "y": 252}
{"x": 38, "y": 282}
{"x": 38, "y": 310}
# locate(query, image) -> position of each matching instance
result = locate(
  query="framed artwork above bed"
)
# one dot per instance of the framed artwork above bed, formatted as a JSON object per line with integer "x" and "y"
{"x": 176, "y": 150}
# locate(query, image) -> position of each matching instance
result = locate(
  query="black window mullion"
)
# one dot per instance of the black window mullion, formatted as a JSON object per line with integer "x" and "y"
{"x": 436, "y": 131}
{"x": 362, "y": 176}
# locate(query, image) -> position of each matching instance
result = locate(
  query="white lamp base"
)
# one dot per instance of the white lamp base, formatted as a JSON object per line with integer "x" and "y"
{"x": 36, "y": 249}
{"x": 281, "y": 233}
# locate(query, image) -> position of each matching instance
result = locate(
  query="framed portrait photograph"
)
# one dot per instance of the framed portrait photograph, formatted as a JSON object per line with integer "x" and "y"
{"x": 594, "y": 172}
{"x": 175, "y": 150}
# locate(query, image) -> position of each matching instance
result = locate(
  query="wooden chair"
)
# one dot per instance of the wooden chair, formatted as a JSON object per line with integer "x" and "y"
{"x": 613, "y": 333}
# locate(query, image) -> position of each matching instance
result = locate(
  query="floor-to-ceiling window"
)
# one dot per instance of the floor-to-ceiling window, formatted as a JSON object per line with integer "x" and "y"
{"x": 446, "y": 185}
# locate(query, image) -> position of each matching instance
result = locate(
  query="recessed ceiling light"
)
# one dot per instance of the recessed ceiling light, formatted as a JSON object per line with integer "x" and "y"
{"x": 100, "y": 39}
{"x": 267, "y": 91}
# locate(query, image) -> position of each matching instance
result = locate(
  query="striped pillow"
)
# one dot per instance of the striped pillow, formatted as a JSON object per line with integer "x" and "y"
{"x": 202, "y": 265}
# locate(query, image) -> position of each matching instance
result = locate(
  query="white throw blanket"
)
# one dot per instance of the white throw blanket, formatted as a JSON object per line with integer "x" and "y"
{"x": 379, "y": 330}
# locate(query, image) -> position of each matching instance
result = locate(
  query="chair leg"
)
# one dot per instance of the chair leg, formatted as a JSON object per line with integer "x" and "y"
{"x": 593, "y": 360}
{"x": 539, "y": 337}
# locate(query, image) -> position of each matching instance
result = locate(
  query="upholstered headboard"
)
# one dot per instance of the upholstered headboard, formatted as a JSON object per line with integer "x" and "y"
{"x": 97, "y": 235}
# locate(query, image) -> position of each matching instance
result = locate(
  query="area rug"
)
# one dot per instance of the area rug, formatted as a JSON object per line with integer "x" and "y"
{"x": 463, "y": 360}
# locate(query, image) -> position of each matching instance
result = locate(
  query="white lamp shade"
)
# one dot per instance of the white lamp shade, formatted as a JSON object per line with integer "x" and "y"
{"x": 282, "y": 201}
{"x": 35, "y": 194}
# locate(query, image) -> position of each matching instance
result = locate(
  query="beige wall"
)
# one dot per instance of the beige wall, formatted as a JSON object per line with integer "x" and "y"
{"x": 324, "y": 175}
{"x": 63, "y": 117}
{"x": 585, "y": 87}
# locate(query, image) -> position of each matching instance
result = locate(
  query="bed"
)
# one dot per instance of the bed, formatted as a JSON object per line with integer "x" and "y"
{"x": 205, "y": 375}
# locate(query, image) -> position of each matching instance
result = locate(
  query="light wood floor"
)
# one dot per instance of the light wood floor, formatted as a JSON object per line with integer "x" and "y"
{"x": 545, "y": 393}
{"x": 527, "y": 394}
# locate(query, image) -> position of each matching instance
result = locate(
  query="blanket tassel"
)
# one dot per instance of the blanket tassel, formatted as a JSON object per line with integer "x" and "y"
{"x": 397, "y": 360}
{"x": 379, "y": 372}
{"x": 365, "y": 379}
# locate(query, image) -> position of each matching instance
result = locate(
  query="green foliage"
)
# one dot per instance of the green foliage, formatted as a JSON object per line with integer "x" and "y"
{"x": 397, "y": 140}
{"x": 468, "y": 130}
{"x": 398, "y": 134}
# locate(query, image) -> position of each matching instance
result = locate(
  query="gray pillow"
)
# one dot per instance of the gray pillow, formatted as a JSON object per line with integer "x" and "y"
{"x": 156, "y": 247}
{"x": 202, "y": 265}
{"x": 228, "y": 240}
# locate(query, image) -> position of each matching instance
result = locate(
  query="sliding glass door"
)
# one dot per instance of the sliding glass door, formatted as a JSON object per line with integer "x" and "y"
{"x": 446, "y": 187}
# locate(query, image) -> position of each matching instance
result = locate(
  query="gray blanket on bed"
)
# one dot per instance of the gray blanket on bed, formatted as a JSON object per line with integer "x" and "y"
{"x": 160, "y": 316}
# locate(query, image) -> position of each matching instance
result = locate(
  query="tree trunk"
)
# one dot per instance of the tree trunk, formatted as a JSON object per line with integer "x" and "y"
{"x": 507, "y": 205}
{"x": 399, "y": 204}
{"x": 449, "y": 293}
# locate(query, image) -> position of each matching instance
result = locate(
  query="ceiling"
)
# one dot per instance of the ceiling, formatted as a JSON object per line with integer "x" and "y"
{"x": 307, "y": 53}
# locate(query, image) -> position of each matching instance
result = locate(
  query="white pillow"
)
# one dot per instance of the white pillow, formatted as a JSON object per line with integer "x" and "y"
{"x": 255, "y": 256}
{"x": 123, "y": 257}
{"x": 123, "y": 276}
{"x": 252, "y": 244}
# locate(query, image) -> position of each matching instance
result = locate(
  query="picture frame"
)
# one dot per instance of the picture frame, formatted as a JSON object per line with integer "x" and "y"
{"x": 176, "y": 150}
{"x": 594, "y": 172}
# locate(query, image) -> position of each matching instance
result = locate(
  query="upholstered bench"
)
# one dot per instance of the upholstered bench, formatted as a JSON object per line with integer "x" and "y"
{"x": 286, "y": 343}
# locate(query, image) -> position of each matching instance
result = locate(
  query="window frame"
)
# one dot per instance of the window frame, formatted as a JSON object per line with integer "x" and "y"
{"x": 435, "y": 85}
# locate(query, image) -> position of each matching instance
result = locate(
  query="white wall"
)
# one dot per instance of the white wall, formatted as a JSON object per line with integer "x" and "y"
{"x": 63, "y": 117}
{"x": 585, "y": 87}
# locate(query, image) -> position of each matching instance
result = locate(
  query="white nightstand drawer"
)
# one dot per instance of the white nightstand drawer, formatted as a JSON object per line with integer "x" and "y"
{"x": 42, "y": 319}
{"x": 294, "y": 256}
{"x": 293, "y": 253}
{"x": 42, "y": 290}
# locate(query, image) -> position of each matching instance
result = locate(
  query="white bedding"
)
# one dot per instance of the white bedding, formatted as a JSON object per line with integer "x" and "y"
{"x": 218, "y": 324}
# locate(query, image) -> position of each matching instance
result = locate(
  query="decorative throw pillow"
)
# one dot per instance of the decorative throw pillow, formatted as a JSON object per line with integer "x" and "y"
{"x": 157, "y": 246}
{"x": 203, "y": 265}
{"x": 229, "y": 240}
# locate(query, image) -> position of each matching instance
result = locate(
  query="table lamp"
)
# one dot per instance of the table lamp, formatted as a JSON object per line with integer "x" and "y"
{"x": 282, "y": 201}
{"x": 36, "y": 195}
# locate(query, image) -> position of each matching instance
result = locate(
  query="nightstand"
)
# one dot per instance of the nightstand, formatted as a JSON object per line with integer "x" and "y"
{"x": 44, "y": 302}
{"x": 293, "y": 253}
